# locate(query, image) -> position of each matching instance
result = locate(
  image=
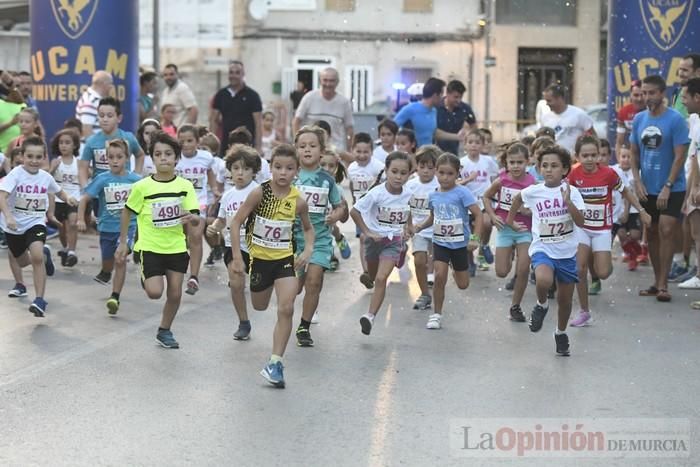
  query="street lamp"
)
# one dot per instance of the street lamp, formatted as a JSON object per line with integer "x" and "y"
{"x": 398, "y": 87}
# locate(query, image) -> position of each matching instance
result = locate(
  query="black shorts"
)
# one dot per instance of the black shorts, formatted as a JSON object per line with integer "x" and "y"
{"x": 18, "y": 244}
{"x": 673, "y": 207}
{"x": 458, "y": 257}
{"x": 63, "y": 210}
{"x": 228, "y": 257}
{"x": 633, "y": 223}
{"x": 264, "y": 273}
{"x": 156, "y": 264}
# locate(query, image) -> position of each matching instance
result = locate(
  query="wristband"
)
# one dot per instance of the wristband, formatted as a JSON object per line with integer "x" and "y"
{"x": 474, "y": 237}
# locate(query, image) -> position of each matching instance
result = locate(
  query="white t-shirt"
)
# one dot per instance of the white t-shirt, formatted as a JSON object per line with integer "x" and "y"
{"x": 66, "y": 175}
{"x": 363, "y": 177}
{"x": 379, "y": 154}
{"x": 419, "y": 202}
{"x": 149, "y": 168}
{"x": 231, "y": 202}
{"x": 486, "y": 169}
{"x": 618, "y": 201}
{"x": 553, "y": 228}
{"x": 182, "y": 97}
{"x": 568, "y": 125}
{"x": 195, "y": 169}
{"x": 264, "y": 175}
{"x": 694, "y": 135}
{"x": 29, "y": 197}
{"x": 385, "y": 213}
{"x": 337, "y": 112}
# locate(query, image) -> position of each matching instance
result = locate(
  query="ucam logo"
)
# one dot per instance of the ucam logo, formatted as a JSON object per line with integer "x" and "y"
{"x": 666, "y": 20}
{"x": 74, "y": 16}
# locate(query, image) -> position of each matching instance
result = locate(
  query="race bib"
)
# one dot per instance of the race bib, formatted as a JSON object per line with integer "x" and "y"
{"x": 68, "y": 181}
{"x": 505, "y": 199}
{"x": 272, "y": 234}
{"x": 316, "y": 198}
{"x": 419, "y": 207}
{"x": 116, "y": 196}
{"x": 594, "y": 215}
{"x": 448, "y": 230}
{"x": 198, "y": 181}
{"x": 100, "y": 159}
{"x": 393, "y": 216}
{"x": 230, "y": 214}
{"x": 556, "y": 229}
{"x": 30, "y": 204}
{"x": 166, "y": 213}
{"x": 361, "y": 184}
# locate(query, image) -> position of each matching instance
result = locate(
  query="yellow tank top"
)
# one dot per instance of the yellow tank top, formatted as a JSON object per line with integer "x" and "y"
{"x": 269, "y": 230}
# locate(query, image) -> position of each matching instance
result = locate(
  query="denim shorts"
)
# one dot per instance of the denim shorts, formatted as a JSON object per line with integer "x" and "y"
{"x": 109, "y": 241}
{"x": 565, "y": 269}
{"x": 507, "y": 237}
{"x": 383, "y": 249}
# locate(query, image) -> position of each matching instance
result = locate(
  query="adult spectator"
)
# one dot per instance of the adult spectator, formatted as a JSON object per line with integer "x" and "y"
{"x": 453, "y": 115}
{"x": 9, "y": 117}
{"x": 659, "y": 143}
{"x": 237, "y": 105}
{"x": 626, "y": 114}
{"x": 86, "y": 108}
{"x": 7, "y": 84}
{"x": 25, "y": 88}
{"x": 423, "y": 115}
{"x": 687, "y": 69}
{"x": 148, "y": 99}
{"x": 568, "y": 121}
{"x": 326, "y": 104}
{"x": 178, "y": 94}
{"x": 298, "y": 94}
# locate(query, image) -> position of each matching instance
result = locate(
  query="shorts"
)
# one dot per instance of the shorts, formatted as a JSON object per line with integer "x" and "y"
{"x": 597, "y": 240}
{"x": 383, "y": 249}
{"x": 458, "y": 257}
{"x": 421, "y": 244}
{"x": 228, "y": 257}
{"x": 508, "y": 237}
{"x": 323, "y": 248}
{"x": 109, "y": 241}
{"x": 565, "y": 269}
{"x": 157, "y": 264}
{"x": 63, "y": 210}
{"x": 18, "y": 244}
{"x": 673, "y": 207}
{"x": 264, "y": 273}
{"x": 633, "y": 223}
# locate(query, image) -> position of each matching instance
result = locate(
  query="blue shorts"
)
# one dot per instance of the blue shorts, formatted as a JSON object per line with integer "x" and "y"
{"x": 323, "y": 248}
{"x": 109, "y": 241}
{"x": 507, "y": 237}
{"x": 565, "y": 270}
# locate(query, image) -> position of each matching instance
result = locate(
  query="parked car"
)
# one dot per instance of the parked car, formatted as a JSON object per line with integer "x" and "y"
{"x": 599, "y": 114}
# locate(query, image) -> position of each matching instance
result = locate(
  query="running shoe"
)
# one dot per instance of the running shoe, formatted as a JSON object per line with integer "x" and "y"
{"x": 434, "y": 321}
{"x": 510, "y": 285}
{"x": 366, "y": 280}
{"x": 304, "y": 337}
{"x": 676, "y": 271}
{"x": 103, "y": 277}
{"x": 583, "y": 318}
{"x": 334, "y": 263}
{"x": 112, "y": 306}
{"x": 243, "y": 332}
{"x": 537, "y": 317}
{"x": 487, "y": 254}
{"x": 192, "y": 286}
{"x": 210, "y": 260}
{"x": 62, "y": 254}
{"x": 165, "y": 339}
{"x": 692, "y": 283}
{"x": 344, "y": 247}
{"x": 483, "y": 265}
{"x": 71, "y": 260}
{"x": 19, "y": 290}
{"x": 274, "y": 374}
{"x": 423, "y": 302}
{"x": 38, "y": 307}
{"x": 562, "y": 342}
{"x": 595, "y": 287}
{"x": 516, "y": 314}
{"x": 48, "y": 262}
{"x": 692, "y": 272}
{"x": 315, "y": 318}
{"x": 366, "y": 323}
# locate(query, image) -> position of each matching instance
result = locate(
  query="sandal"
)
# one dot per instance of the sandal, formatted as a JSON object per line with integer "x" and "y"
{"x": 663, "y": 296}
{"x": 650, "y": 292}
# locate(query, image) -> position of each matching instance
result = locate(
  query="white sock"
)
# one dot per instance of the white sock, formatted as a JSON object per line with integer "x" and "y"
{"x": 543, "y": 305}
{"x": 70, "y": 252}
{"x": 558, "y": 332}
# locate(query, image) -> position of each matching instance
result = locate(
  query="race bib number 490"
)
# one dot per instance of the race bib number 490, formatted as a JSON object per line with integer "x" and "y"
{"x": 273, "y": 234}
{"x": 166, "y": 213}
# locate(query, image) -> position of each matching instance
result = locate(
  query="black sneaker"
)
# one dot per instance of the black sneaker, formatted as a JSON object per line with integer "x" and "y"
{"x": 63, "y": 254}
{"x": 70, "y": 260}
{"x": 304, "y": 337}
{"x": 516, "y": 314}
{"x": 537, "y": 317}
{"x": 243, "y": 333}
{"x": 210, "y": 259}
{"x": 510, "y": 285}
{"x": 103, "y": 277}
{"x": 562, "y": 341}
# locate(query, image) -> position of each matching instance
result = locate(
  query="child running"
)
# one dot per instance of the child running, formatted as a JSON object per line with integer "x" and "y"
{"x": 243, "y": 163}
{"x": 387, "y": 136}
{"x": 450, "y": 207}
{"x": 596, "y": 184}
{"x": 421, "y": 187}
{"x": 384, "y": 217}
{"x": 512, "y": 243}
{"x": 24, "y": 201}
{"x": 64, "y": 169}
{"x": 143, "y": 136}
{"x": 319, "y": 190}
{"x": 269, "y": 213}
{"x": 112, "y": 189}
{"x": 556, "y": 207}
{"x": 163, "y": 203}
{"x": 330, "y": 162}
{"x": 628, "y": 227}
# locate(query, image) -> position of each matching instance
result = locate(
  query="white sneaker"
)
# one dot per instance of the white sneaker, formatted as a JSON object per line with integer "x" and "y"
{"x": 434, "y": 321}
{"x": 366, "y": 322}
{"x": 314, "y": 318}
{"x": 692, "y": 283}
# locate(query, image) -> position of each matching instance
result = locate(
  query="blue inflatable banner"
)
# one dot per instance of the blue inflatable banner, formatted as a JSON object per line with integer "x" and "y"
{"x": 70, "y": 40}
{"x": 647, "y": 37}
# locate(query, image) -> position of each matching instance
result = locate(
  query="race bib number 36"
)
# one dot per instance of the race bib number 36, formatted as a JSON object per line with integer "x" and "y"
{"x": 448, "y": 230}
{"x": 166, "y": 213}
{"x": 116, "y": 196}
{"x": 30, "y": 204}
{"x": 272, "y": 234}
{"x": 556, "y": 229}
{"x": 594, "y": 215}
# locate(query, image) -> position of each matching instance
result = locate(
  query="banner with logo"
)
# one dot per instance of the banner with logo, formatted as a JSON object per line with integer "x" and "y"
{"x": 647, "y": 37}
{"x": 71, "y": 40}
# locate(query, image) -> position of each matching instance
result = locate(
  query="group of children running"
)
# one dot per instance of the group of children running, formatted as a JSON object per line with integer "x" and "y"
{"x": 159, "y": 197}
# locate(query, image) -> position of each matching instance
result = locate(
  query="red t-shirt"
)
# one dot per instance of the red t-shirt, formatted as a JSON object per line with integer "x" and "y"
{"x": 597, "y": 191}
{"x": 626, "y": 114}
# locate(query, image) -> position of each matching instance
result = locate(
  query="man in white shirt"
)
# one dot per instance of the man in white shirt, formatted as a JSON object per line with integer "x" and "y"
{"x": 179, "y": 94}
{"x": 568, "y": 121}
{"x": 86, "y": 108}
